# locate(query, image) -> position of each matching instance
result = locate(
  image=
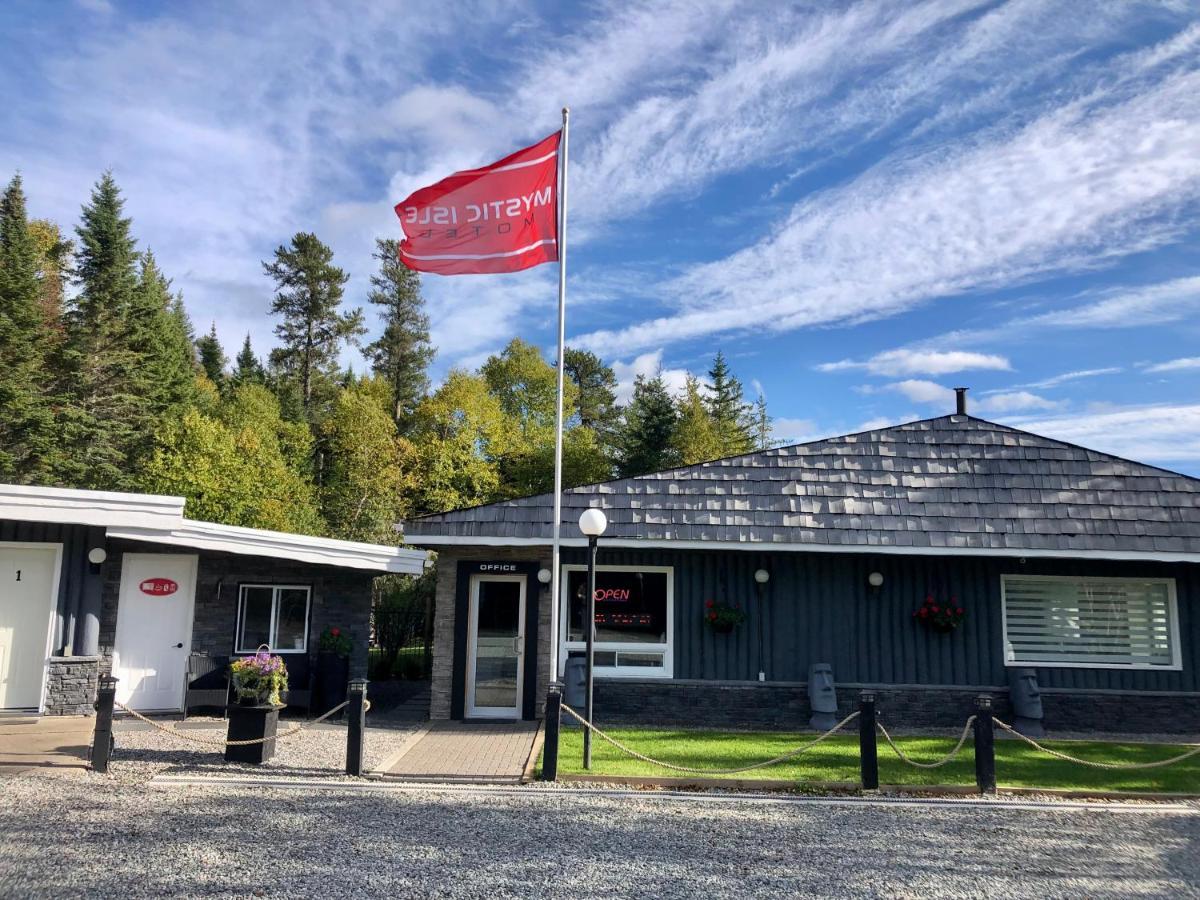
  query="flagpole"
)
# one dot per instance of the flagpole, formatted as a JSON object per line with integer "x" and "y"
{"x": 555, "y": 589}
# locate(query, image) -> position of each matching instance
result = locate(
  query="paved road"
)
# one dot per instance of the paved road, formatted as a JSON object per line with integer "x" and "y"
{"x": 93, "y": 837}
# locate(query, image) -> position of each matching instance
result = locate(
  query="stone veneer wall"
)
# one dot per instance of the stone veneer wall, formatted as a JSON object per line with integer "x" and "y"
{"x": 444, "y": 615}
{"x": 71, "y": 685}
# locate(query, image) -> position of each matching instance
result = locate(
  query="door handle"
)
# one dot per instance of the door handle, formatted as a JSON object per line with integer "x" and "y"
{"x": 517, "y": 648}
{"x": 179, "y": 646}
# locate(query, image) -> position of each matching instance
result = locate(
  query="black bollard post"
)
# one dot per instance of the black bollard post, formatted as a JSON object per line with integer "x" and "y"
{"x": 985, "y": 746}
{"x": 102, "y": 739}
{"x": 868, "y": 747}
{"x": 356, "y": 724}
{"x": 553, "y": 723}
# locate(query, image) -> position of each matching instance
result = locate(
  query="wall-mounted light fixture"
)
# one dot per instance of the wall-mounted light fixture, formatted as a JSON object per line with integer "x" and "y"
{"x": 762, "y": 576}
{"x": 97, "y": 556}
{"x": 544, "y": 576}
{"x": 875, "y": 579}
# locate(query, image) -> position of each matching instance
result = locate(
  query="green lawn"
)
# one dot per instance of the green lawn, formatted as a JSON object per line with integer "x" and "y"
{"x": 836, "y": 759}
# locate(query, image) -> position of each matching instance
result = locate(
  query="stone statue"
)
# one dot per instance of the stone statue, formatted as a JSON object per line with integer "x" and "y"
{"x": 822, "y": 697}
{"x": 1026, "y": 700}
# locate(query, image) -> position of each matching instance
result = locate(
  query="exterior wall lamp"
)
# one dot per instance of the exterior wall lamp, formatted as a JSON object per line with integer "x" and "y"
{"x": 592, "y": 523}
{"x": 875, "y": 579}
{"x": 96, "y": 557}
{"x": 544, "y": 576}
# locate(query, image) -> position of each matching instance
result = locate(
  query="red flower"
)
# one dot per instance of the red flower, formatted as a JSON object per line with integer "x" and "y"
{"x": 712, "y": 617}
{"x": 335, "y": 631}
{"x": 929, "y": 599}
{"x": 924, "y": 614}
{"x": 936, "y": 608}
{"x": 960, "y": 611}
{"x": 708, "y": 603}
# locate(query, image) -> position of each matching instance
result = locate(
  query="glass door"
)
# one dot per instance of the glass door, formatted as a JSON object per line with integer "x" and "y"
{"x": 495, "y": 655}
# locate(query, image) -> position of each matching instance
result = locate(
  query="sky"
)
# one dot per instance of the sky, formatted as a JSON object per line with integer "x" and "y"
{"x": 863, "y": 205}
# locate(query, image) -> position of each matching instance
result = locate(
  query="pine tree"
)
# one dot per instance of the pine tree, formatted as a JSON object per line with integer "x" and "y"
{"x": 247, "y": 369}
{"x": 597, "y": 383}
{"x": 26, "y": 421}
{"x": 649, "y": 426}
{"x": 213, "y": 360}
{"x": 729, "y": 411}
{"x": 695, "y": 438}
{"x": 403, "y": 352}
{"x": 54, "y": 270}
{"x": 308, "y": 292}
{"x": 104, "y": 417}
{"x": 160, "y": 333}
{"x": 763, "y": 432}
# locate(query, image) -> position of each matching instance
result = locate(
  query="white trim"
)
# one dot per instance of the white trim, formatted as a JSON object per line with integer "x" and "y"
{"x": 507, "y": 253}
{"x": 278, "y": 545}
{"x": 667, "y": 649}
{"x": 520, "y": 165}
{"x": 1176, "y": 664}
{"x": 78, "y": 507}
{"x": 275, "y": 588}
{"x": 446, "y": 540}
{"x": 470, "y": 710}
{"x": 55, "y": 581}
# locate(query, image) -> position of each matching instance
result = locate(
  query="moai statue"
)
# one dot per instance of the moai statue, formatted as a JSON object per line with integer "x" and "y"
{"x": 1026, "y": 700}
{"x": 822, "y": 697}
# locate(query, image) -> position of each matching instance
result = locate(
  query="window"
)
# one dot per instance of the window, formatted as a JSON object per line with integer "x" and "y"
{"x": 1099, "y": 623}
{"x": 634, "y": 618}
{"x": 275, "y": 615}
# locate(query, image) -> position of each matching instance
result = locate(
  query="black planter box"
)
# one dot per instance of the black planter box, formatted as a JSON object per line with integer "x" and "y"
{"x": 247, "y": 723}
{"x": 333, "y": 672}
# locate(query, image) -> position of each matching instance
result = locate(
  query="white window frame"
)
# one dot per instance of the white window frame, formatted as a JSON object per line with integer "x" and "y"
{"x": 667, "y": 670}
{"x": 1172, "y": 625}
{"x": 275, "y": 589}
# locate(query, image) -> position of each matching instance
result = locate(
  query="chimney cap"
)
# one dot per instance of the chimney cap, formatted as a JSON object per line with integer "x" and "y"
{"x": 960, "y": 401}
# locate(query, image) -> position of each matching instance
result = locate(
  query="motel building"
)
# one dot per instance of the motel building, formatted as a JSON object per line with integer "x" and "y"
{"x": 95, "y": 582}
{"x": 1078, "y": 566}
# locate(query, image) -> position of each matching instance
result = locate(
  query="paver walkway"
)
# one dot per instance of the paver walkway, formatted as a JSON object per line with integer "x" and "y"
{"x": 38, "y": 742}
{"x": 467, "y": 751}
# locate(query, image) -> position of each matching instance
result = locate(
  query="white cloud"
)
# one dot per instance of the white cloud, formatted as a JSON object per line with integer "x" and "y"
{"x": 1184, "y": 364}
{"x": 921, "y": 391}
{"x": 904, "y": 361}
{"x": 649, "y": 365}
{"x": 1162, "y": 434}
{"x": 1015, "y": 401}
{"x": 1083, "y": 185}
{"x": 795, "y": 431}
{"x": 1152, "y": 304}
{"x": 1056, "y": 380}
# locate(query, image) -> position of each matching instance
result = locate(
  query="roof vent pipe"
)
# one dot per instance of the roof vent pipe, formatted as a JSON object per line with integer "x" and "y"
{"x": 960, "y": 401}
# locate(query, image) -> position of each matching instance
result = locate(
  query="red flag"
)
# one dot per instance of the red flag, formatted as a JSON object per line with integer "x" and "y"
{"x": 500, "y": 218}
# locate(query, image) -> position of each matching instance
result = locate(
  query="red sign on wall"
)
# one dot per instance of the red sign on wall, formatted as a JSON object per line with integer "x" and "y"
{"x": 158, "y": 587}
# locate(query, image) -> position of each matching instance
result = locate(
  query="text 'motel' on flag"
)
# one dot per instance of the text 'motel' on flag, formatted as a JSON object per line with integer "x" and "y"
{"x": 499, "y": 218}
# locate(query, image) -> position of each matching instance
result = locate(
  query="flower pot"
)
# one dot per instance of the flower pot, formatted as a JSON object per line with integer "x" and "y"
{"x": 252, "y": 723}
{"x": 722, "y": 627}
{"x": 333, "y": 671}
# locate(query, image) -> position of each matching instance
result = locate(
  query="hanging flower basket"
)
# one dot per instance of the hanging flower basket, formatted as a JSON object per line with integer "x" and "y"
{"x": 721, "y": 617}
{"x": 259, "y": 679}
{"x": 940, "y": 617}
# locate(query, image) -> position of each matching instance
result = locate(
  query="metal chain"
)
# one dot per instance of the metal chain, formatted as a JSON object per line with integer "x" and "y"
{"x": 930, "y": 765}
{"x": 303, "y": 726}
{"x": 666, "y": 765}
{"x": 1098, "y": 765}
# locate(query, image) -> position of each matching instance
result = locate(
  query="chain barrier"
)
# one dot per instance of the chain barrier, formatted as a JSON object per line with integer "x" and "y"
{"x": 1098, "y": 765}
{"x": 791, "y": 754}
{"x": 929, "y": 765}
{"x": 221, "y": 742}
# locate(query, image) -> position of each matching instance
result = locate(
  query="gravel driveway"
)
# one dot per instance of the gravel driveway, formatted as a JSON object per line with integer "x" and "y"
{"x": 93, "y": 836}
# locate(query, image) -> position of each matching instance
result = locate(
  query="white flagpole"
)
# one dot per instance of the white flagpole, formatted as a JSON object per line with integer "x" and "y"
{"x": 555, "y": 590}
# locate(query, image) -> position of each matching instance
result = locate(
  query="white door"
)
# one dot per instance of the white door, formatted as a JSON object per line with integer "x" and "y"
{"x": 28, "y": 585}
{"x": 154, "y": 629}
{"x": 496, "y": 651}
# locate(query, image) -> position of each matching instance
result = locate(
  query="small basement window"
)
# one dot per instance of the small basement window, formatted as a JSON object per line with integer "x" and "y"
{"x": 634, "y": 614}
{"x": 275, "y": 615}
{"x": 1090, "y": 623}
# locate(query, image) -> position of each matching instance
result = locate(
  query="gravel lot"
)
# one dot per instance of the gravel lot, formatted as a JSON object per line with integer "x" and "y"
{"x": 113, "y": 837}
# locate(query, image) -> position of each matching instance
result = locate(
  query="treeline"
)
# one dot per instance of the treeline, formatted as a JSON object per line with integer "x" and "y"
{"x": 105, "y": 385}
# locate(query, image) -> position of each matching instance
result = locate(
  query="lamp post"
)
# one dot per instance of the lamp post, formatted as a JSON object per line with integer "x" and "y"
{"x": 592, "y": 523}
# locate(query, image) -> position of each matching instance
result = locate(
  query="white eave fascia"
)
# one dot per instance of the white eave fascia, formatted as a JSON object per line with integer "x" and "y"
{"x": 69, "y": 506}
{"x": 279, "y": 545}
{"x": 443, "y": 540}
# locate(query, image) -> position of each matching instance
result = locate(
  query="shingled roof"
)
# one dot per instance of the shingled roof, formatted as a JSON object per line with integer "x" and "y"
{"x": 954, "y": 482}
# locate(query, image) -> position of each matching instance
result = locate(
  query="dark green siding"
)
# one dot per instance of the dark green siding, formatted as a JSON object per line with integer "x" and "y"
{"x": 819, "y": 608}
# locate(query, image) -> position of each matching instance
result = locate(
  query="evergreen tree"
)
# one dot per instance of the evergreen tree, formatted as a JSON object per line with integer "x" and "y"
{"x": 54, "y": 269}
{"x": 160, "y": 333}
{"x": 213, "y": 360}
{"x": 247, "y": 369}
{"x": 729, "y": 411}
{"x": 763, "y": 432}
{"x": 308, "y": 292}
{"x": 104, "y": 417}
{"x": 597, "y": 384}
{"x": 695, "y": 438}
{"x": 649, "y": 426}
{"x": 26, "y": 421}
{"x": 403, "y": 352}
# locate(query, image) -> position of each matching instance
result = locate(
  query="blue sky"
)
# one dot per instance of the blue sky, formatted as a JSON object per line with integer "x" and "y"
{"x": 862, "y": 204}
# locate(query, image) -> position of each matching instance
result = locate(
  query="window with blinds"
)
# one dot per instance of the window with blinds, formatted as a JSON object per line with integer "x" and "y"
{"x": 1096, "y": 623}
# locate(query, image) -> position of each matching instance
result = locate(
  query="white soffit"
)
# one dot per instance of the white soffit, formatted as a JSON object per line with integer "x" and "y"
{"x": 69, "y": 506}
{"x": 278, "y": 545}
